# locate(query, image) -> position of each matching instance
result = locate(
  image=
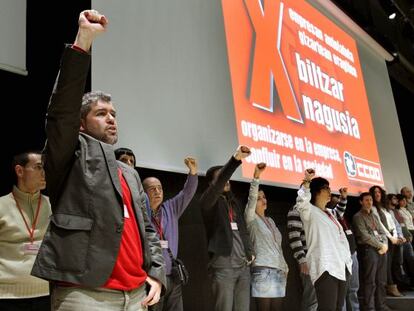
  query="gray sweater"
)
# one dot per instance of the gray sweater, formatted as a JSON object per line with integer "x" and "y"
{"x": 266, "y": 238}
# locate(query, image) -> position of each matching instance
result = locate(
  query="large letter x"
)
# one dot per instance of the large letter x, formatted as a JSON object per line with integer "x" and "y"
{"x": 268, "y": 60}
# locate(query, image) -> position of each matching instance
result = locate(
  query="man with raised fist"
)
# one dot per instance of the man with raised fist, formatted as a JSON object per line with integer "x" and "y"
{"x": 100, "y": 251}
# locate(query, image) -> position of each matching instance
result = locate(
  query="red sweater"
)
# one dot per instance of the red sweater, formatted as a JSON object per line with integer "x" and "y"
{"x": 128, "y": 273}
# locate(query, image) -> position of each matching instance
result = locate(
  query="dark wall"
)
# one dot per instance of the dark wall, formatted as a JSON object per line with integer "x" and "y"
{"x": 25, "y": 98}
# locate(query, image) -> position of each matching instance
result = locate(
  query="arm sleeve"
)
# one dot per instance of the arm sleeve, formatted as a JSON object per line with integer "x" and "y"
{"x": 211, "y": 194}
{"x": 63, "y": 119}
{"x": 295, "y": 229}
{"x": 250, "y": 211}
{"x": 180, "y": 202}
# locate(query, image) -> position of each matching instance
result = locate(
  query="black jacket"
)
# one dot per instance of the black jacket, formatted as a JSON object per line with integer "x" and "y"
{"x": 215, "y": 211}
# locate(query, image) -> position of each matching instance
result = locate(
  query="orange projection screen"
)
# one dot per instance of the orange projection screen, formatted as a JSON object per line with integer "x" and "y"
{"x": 299, "y": 94}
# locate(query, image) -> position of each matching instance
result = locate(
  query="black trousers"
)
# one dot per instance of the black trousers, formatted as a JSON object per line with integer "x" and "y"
{"x": 330, "y": 292}
{"x": 374, "y": 274}
{"x": 172, "y": 299}
{"x": 26, "y": 304}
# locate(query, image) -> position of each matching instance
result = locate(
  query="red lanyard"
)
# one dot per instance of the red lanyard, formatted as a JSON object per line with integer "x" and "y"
{"x": 34, "y": 223}
{"x": 343, "y": 222}
{"x": 158, "y": 224}
{"x": 373, "y": 224}
{"x": 231, "y": 213}
{"x": 333, "y": 219}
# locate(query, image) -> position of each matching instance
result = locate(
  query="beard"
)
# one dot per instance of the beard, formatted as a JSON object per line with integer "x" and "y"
{"x": 108, "y": 139}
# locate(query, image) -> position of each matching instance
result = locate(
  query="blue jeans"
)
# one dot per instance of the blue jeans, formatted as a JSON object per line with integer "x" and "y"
{"x": 268, "y": 282}
{"x": 231, "y": 289}
{"x": 309, "y": 301}
{"x": 408, "y": 258}
{"x": 351, "y": 299}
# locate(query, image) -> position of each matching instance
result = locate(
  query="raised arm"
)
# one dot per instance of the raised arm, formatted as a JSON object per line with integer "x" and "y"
{"x": 250, "y": 211}
{"x": 339, "y": 209}
{"x": 215, "y": 189}
{"x": 304, "y": 195}
{"x": 180, "y": 202}
{"x": 62, "y": 119}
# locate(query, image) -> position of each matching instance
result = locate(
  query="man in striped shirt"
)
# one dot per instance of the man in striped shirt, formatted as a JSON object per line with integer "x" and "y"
{"x": 297, "y": 242}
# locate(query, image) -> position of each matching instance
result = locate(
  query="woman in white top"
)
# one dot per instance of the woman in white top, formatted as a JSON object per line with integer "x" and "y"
{"x": 269, "y": 269}
{"x": 328, "y": 255}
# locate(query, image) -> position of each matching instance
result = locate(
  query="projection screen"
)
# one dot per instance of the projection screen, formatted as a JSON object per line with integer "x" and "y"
{"x": 13, "y": 36}
{"x": 194, "y": 77}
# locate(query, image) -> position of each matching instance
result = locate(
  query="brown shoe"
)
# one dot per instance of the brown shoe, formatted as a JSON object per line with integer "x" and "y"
{"x": 393, "y": 291}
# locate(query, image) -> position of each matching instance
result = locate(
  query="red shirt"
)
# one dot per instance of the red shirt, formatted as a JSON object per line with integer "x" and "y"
{"x": 128, "y": 273}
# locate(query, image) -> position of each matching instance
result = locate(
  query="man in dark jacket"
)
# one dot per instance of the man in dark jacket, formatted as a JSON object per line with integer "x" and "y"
{"x": 100, "y": 250}
{"x": 229, "y": 243}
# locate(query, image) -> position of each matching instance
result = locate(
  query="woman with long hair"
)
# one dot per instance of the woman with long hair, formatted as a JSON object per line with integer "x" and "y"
{"x": 379, "y": 197}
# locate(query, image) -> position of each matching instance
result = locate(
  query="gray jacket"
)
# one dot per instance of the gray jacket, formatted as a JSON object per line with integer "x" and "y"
{"x": 84, "y": 236}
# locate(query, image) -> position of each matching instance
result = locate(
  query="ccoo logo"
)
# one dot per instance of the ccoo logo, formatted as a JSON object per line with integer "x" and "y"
{"x": 350, "y": 164}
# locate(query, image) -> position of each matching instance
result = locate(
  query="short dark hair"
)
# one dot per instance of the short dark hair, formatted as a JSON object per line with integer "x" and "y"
{"x": 390, "y": 196}
{"x": 316, "y": 185}
{"x": 210, "y": 172}
{"x": 90, "y": 99}
{"x": 22, "y": 159}
{"x": 400, "y": 197}
{"x": 363, "y": 195}
{"x": 121, "y": 151}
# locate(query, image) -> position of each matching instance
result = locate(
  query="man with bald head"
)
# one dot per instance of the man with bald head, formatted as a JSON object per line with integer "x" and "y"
{"x": 164, "y": 218}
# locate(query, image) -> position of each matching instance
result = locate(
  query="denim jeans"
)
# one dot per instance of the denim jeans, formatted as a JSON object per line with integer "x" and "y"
{"x": 408, "y": 258}
{"x": 96, "y": 299}
{"x": 231, "y": 289}
{"x": 309, "y": 301}
{"x": 268, "y": 282}
{"x": 351, "y": 299}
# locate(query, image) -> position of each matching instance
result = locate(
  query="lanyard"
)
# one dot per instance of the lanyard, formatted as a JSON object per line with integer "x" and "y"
{"x": 343, "y": 222}
{"x": 373, "y": 224}
{"x": 34, "y": 223}
{"x": 231, "y": 213}
{"x": 333, "y": 219}
{"x": 158, "y": 224}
